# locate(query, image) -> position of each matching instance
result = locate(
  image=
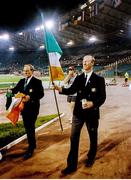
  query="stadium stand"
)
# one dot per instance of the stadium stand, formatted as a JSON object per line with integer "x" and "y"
{"x": 102, "y": 19}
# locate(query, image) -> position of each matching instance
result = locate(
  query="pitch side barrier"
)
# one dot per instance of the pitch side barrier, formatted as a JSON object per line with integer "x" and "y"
{"x": 46, "y": 85}
{"x": 8, "y": 146}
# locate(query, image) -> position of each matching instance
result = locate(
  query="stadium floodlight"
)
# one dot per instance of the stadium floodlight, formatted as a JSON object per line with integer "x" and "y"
{"x": 83, "y": 6}
{"x": 4, "y": 36}
{"x": 11, "y": 48}
{"x": 42, "y": 47}
{"x": 70, "y": 43}
{"x": 49, "y": 24}
{"x": 42, "y": 26}
{"x": 92, "y": 39}
{"x": 38, "y": 28}
{"x": 21, "y": 33}
{"x": 91, "y": 1}
{"x": 121, "y": 30}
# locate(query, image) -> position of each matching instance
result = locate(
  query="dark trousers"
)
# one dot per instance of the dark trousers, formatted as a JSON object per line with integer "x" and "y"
{"x": 8, "y": 102}
{"x": 77, "y": 125}
{"x": 29, "y": 124}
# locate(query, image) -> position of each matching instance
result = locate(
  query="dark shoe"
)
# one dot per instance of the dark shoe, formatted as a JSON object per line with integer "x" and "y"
{"x": 28, "y": 154}
{"x": 68, "y": 170}
{"x": 89, "y": 162}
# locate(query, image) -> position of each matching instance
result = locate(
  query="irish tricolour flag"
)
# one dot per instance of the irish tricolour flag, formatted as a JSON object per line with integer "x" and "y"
{"x": 54, "y": 53}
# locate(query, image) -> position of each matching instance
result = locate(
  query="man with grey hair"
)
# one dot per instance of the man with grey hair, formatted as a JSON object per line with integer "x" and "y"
{"x": 33, "y": 90}
{"x": 91, "y": 94}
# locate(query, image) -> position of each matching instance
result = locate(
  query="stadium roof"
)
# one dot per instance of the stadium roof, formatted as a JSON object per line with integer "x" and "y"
{"x": 18, "y": 14}
{"x": 94, "y": 22}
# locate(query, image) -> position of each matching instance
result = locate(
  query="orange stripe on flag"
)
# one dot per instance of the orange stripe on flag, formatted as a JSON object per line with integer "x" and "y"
{"x": 57, "y": 73}
{"x": 13, "y": 115}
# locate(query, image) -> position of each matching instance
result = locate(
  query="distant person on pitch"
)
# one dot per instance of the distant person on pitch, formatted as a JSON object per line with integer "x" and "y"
{"x": 91, "y": 94}
{"x": 126, "y": 75}
{"x": 69, "y": 79}
{"x": 33, "y": 89}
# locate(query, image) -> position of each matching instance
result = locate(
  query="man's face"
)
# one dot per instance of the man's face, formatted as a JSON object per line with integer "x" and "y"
{"x": 87, "y": 63}
{"x": 71, "y": 71}
{"x": 27, "y": 71}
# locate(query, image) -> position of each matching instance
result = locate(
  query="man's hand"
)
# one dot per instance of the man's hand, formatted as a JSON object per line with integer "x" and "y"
{"x": 87, "y": 105}
{"x": 26, "y": 98}
{"x": 55, "y": 87}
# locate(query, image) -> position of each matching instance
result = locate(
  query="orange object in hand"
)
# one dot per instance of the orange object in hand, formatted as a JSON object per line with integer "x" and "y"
{"x": 13, "y": 115}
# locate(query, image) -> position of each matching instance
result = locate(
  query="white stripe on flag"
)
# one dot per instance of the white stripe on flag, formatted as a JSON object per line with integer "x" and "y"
{"x": 54, "y": 59}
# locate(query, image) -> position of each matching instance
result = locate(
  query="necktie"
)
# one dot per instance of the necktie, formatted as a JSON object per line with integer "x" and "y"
{"x": 25, "y": 85}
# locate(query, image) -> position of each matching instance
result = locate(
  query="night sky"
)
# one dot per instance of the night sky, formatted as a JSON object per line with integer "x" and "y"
{"x": 16, "y": 14}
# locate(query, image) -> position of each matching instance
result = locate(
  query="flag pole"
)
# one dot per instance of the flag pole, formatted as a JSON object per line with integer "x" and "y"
{"x": 55, "y": 98}
{"x": 52, "y": 77}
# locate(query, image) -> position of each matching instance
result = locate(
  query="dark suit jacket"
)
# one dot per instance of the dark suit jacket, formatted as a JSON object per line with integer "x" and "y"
{"x": 94, "y": 91}
{"x": 35, "y": 90}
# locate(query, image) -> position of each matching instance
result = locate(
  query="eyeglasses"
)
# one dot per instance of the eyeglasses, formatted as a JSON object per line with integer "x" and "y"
{"x": 70, "y": 69}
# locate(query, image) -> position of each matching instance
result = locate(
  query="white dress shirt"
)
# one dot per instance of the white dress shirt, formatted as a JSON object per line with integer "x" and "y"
{"x": 28, "y": 80}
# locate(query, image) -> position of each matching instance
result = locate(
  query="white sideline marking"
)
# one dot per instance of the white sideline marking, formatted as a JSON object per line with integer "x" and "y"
{"x": 25, "y": 136}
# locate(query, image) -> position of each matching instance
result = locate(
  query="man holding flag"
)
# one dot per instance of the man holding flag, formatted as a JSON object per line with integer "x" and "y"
{"x": 33, "y": 90}
{"x": 91, "y": 94}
